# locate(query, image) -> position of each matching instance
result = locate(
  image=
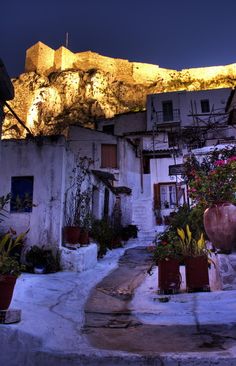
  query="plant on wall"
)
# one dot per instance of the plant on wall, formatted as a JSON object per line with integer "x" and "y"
{"x": 78, "y": 196}
{"x": 4, "y": 200}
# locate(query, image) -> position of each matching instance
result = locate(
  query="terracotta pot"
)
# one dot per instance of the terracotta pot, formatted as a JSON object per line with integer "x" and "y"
{"x": 7, "y": 284}
{"x": 84, "y": 237}
{"x": 169, "y": 278}
{"x": 71, "y": 234}
{"x": 197, "y": 277}
{"x": 220, "y": 225}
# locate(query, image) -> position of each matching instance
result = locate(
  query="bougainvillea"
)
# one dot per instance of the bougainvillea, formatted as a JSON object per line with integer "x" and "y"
{"x": 212, "y": 181}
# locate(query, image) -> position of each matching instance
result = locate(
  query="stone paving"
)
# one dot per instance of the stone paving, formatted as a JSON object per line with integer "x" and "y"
{"x": 94, "y": 318}
{"x": 110, "y": 323}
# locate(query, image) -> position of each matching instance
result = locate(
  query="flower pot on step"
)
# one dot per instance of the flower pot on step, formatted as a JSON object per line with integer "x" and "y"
{"x": 71, "y": 234}
{"x": 7, "y": 284}
{"x": 84, "y": 237}
{"x": 197, "y": 277}
{"x": 169, "y": 277}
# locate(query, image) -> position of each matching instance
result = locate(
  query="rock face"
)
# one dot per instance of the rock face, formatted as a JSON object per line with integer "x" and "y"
{"x": 61, "y": 88}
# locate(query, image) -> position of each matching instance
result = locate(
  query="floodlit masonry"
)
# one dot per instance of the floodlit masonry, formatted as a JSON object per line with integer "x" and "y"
{"x": 44, "y": 60}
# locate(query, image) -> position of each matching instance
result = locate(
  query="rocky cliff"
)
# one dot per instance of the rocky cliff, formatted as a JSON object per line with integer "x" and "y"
{"x": 48, "y": 100}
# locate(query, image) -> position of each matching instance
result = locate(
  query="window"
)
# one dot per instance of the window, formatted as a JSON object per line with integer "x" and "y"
{"x": 167, "y": 108}
{"x": 165, "y": 195}
{"x": 21, "y": 194}
{"x": 108, "y": 156}
{"x": 172, "y": 139}
{"x": 205, "y": 106}
{"x": 108, "y": 129}
{"x": 146, "y": 165}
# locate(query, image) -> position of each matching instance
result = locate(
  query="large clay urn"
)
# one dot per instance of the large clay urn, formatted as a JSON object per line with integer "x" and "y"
{"x": 220, "y": 225}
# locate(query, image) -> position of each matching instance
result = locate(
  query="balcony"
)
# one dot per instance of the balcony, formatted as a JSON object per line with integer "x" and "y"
{"x": 165, "y": 118}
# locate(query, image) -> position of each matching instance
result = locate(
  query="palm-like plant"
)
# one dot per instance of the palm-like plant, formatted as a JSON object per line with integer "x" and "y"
{"x": 9, "y": 262}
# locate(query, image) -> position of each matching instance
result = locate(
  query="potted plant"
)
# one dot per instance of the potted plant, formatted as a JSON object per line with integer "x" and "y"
{"x": 86, "y": 224}
{"x": 41, "y": 260}
{"x": 128, "y": 232}
{"x": 167, "y": 256}
{"x": 213, "y": 184}
{"x": 196, "y": 258}
{"x": 102, "y": 233}
{"x": 10, "y": 266}
{"x": 77, "y": 200}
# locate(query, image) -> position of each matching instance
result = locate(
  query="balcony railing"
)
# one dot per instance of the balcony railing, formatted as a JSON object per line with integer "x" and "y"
{"x": 166, "y": 117}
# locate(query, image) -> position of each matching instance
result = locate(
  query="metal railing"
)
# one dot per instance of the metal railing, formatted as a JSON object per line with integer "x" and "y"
{"x": 163, "y": 117}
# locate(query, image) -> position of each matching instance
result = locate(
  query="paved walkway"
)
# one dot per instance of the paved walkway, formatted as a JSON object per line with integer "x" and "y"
{"x": 96, "y": 318}
{"x": 111, "y": 322}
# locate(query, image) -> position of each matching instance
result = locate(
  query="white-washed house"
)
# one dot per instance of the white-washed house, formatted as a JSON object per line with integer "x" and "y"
{"x": 136, "y": 164}
{"x": 40, "y": 170}
{"x": 172, "y": 126}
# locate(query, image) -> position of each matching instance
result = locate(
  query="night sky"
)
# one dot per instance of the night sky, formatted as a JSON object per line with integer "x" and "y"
{"x": 170, "y": 33}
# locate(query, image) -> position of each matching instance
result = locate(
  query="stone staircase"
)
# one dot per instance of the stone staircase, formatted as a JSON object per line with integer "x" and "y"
{"x": 142, "y": 214}
{"x": 143, "y": 218}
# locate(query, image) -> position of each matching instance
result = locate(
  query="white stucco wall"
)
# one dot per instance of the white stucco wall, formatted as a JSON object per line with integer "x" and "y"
{"x": 87, "y": 142}
{"x": 125, "y": 123}
{"x": 44, "y": 160}
{"x": 187, "y": 102}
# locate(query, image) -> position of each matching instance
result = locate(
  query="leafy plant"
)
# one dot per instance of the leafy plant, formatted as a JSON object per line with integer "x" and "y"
{"x": 129, "y": 231}
{"x": 9, "y": 258}
{"x": 39, "y": 256}
{"x": 102, "y": 233}
{"x": 214, "y": 179}
{"x": 166, "y": 250}
{"x": 79, "y": 194}
{"x": 191, "y": 246}
{"x": 4, "y": 200}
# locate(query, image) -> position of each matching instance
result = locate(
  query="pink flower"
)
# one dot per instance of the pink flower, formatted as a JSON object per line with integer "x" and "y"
{"x": 219, "y": 162}
{"x": 192, "y": 190}
{"x": 232, "y": 158}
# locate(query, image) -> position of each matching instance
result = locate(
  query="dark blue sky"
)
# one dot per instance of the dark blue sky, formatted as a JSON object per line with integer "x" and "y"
{"x": 170, "y": 33}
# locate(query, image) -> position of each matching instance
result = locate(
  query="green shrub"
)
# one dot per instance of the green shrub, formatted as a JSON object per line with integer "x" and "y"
{"x": 102, "y": 233}
{"x": 193, "y": 217}
{"x": 39, "y": 256}
{"x": 10, "y": 248}
{"x": 129, "y": 231}
{"x": 107, "y": 236}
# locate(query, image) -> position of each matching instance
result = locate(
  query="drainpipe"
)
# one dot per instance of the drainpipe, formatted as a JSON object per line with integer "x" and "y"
{"x": 141, "y": 163}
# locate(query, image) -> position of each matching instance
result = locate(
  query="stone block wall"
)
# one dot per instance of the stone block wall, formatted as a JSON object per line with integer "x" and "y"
{"x": 227, "y": 271}
{"x": 40, "y": 58}
{"x": 63, "y": 59}
{"x": 80, "y": 259}
{"x": 44, "y": 60}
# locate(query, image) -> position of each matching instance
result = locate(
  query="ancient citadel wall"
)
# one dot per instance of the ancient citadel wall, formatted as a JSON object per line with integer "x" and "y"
{"x": 44, "y": 60}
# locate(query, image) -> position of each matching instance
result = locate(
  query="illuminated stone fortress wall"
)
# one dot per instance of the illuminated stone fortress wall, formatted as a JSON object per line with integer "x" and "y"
{"x": 60, "y": 87}
{"x": 44, "y": 60}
